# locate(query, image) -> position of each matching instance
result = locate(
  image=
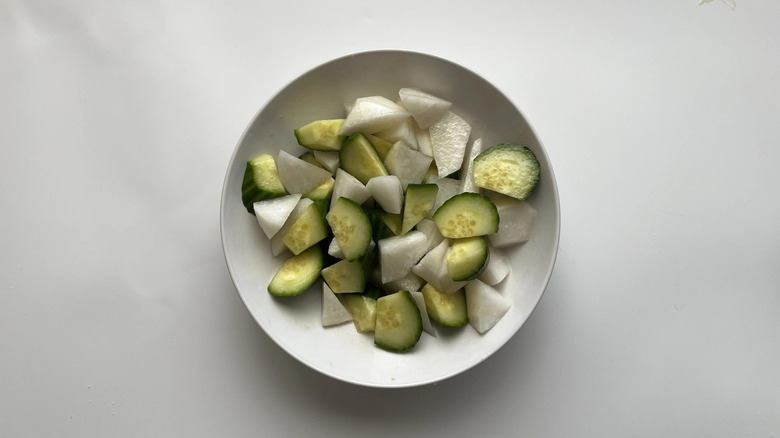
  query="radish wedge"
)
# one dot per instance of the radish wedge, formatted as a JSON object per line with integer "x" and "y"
{"x": 398, "y": 254}
{"x": 297, "y": 175}
{"x": 486, "y": 306}
{"x": 426, "y": 109}
{"x": 372, "y": 114}
{"x": 516, "y": 219}
{"x": 333, "y": 312}
{"x": 348, "y": 186}
{"x": 387, "y": 192}
{"x": 272, "y": 213}
{"x": 409, "y": 165}
{"x": 449, "y": 137}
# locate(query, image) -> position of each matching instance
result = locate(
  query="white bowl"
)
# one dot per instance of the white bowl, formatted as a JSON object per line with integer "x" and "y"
{"x": 294, "y": 322}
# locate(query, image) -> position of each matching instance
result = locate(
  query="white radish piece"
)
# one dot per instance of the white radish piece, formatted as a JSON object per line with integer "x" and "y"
{"x": 372, "y": 114}
{"x": 387, "y": 192}
{"x": 448, "y": 187}
{"x": 426, "y": 320}
{"x": 298, "y": 176}
{"x": 408, "y": 165}
{"x": 449, "y": 137}
{"x": 515, "y": 221}
{"x": 348, "y": 186}
{"x": 426, "y": 109}
{"x": 398, "y": 254}
{"x": 272, "y": 213}
{"x": 433, "y": 269}
{"x": 333, "y": 312}
{"x": 431, "y": 231}
{"x": 466, "y": 170}
{"x": 403, "y": 131}
{"x": 485, "y": 305}
{"x": 277, "y": 242}
{"x": 424, "y": 140}
{"x": 498, "y": 268}
{"x": 408, "y": 282}
{"x": 328, "y": 159}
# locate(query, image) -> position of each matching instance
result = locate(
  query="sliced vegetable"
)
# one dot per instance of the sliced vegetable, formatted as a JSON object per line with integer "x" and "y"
{"x": 426, "y": 109}
{"x": 359, "y": 159}
{"x": 261, "y": 181}
{"x": 507, "y": 168}
{"x": 363, "y": 310}
{"x": 421, "y": 306}
{"x": 486, "y": 306}
{"x": 306, "y": 231}
{"x": 297, "y": 175}
{"x": 449, "y": 137}
{"x": 272, "y": 213}
{"x": 297, "y": 273}
{"x": 387, "y": 192}
{"x": 345, "y": 276}
{"x": 408, "y": 165}
{"x": 420, "y": 199}
{"x": 447, "y": 309}
{"x": 322, "y": 135}
{"x": 381, "y": 146}
{"x": 398, "y": 322}
{"x": 466, "y": 215}
{"x": 372, "y": 114}
{"x": 433, "y": 269}
{"x": 333, "y": 311}
{"x": 516, "y": 219}
{"x": 497, "y": 269}
{"x": 351, "y": 227}
{"x": 467, "y": 258}
{"x": 398, "y": 254}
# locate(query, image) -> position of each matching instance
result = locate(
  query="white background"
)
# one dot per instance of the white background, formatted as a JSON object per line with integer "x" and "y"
{"x": 117, "y": 314}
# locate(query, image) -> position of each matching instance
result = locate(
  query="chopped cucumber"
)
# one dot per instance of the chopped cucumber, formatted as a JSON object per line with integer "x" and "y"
{"x": 507, "y": 168}
{"x": 398, "y": 322}
{"x": 309, "y": 157}
{"x": 467, "y": 258}
{"x": 359, "y": 159}
{"x": 420, "y": 199}
{"x": 345, "y": 276}
{"x": 466, "y": 215}
{"x": 261, "y": 181}
{"x": 322, "y": 191}
{"x": 381, "y": 145}
{"x": 307, "y": 230}
{"x": 446, "y": 309}
{"x": 321, "y": 135}
{"x": 363, "y": 310}
{"x": 351, "y": 227}
{"x": 297, "y": 273}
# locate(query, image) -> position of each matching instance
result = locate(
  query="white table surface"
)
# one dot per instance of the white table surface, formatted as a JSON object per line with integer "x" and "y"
{"x": 117, "y": 314}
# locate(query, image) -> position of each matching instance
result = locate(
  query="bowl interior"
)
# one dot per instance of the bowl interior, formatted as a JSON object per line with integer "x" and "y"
{"x": 294, "y": 323}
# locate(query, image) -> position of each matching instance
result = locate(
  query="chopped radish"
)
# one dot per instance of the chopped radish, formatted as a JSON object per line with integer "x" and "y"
{"x": 425, "y": 108}
{"x": 398, "y": 254}
{"x": 449, "y": 137}
{"x": 409, "y": 165}
{"x": 387, "y": 192}
{"x": 328, "y": 159}
{"x": 431, "y": 231}
{"x": 298, "y": 176}
{"x": 466, "y": 171}
{"x": 403, "y": 131}
{"x": 348, "y": 186}
{"x": 516, "y": 219}
{"x": 272, "y": 213}
{"x": 426, "y": 320}
{"x": 486, "y": 306}
{"x": 408, "y": 282}
{"x": 424, "y": 140}
{"x": 370, "y": 115}
{"x": 497, "y": 269}
{"x": 433, "y": 269}
{"x": 333, "y": 312}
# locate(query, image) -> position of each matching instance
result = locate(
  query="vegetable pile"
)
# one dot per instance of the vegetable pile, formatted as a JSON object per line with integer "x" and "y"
{"x": 401, "y": 215}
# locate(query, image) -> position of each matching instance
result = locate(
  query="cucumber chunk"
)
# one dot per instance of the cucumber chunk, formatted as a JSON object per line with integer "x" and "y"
{"x": 398, "y": 322}
{"x": 467, "y": 258}
{"x": 345, "y": 276}
{"x": 381, "y": 145}
{"x": 359, "y": 159}
{"x": 363, "y": 310}
{"x": 297, "y": 273}
{"x": 467, "y": 215}
{"x": 261, "y": 181}
{"x": 351, "y": 227}
{"x": 446, "y": 309}
{"x": 307, "y": 230}
{"x": 420, "y": 199}
{"x": 507, "y": 168}
{"x": 321, "y": 135}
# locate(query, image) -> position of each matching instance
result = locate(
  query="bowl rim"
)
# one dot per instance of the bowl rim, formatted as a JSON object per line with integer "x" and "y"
{"x": 556, "y": 219}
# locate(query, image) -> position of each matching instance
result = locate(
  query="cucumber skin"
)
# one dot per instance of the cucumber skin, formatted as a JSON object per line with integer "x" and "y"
{"x": 530, "y": 159}
{"x": 251, "y": 192}
{"x": 412, "y": 341}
